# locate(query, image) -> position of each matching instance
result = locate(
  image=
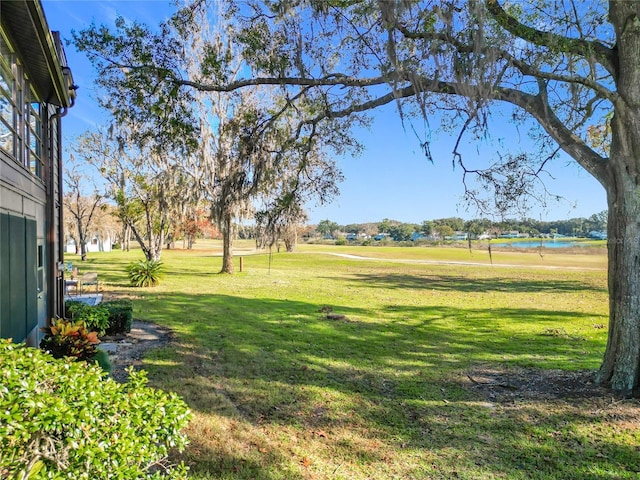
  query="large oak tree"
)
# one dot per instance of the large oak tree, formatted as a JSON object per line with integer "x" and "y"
{"x": 566, "y": 64}
{"x": 252, "y": 148}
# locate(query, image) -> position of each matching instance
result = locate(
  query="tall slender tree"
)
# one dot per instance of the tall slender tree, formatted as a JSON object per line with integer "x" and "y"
{"x": 80, "y": 208}
{"x": 147, "y": 184}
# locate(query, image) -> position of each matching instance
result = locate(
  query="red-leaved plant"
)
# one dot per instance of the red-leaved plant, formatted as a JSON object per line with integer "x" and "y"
{"x": 68, "y": 339}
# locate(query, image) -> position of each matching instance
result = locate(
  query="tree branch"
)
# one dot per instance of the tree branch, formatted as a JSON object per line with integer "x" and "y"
{"x": 536, "y": 105}
{"x": 524, "y": 68}
{"x": 604, "y": 55}
{"x": 335, "y": 79}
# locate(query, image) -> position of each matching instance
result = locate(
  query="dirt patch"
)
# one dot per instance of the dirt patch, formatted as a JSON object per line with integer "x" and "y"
{"x": 511, "y": 385}
{"x": 127, "y": 350}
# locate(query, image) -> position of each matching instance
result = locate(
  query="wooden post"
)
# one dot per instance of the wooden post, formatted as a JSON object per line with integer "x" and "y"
{"x": 241, "y": 264}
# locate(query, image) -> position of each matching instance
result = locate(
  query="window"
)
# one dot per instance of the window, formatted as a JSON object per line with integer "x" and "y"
{"x": 7, "y": 102}
{"x": 20, "y": 113}
{"x": 33, "y": 136}
{"x": 40, "y": 268}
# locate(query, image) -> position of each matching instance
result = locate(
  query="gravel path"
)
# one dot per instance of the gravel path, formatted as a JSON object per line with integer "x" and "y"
{"x": 126, "y": 350}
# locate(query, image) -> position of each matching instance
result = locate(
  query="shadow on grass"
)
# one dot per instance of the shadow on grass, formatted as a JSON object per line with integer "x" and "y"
{"x": 208, "y": 462}
{"x": 274, "y": 339}
{"x": 469, "y": 284}
{"x": 112, "y": 273}
{"x": 395, "y": 378}
{"x": 569, "y": 447}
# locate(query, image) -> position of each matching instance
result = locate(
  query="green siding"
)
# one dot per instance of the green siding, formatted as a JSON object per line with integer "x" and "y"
{"x": 31, "y": 269}
{"x": 5, "y": 276}
{"x": 18, "y": 285}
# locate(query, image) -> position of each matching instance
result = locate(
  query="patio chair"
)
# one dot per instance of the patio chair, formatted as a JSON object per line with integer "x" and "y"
{"x": 88, "y": 279}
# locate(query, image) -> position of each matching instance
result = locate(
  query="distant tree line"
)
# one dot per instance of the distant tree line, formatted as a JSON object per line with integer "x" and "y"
{"x": 445, "y": 227}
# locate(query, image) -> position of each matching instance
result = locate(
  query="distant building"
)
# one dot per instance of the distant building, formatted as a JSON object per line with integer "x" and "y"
{"x": 36, "y": 89}
{"x": 96, "y": 243}
{"x": 597, "y": 235}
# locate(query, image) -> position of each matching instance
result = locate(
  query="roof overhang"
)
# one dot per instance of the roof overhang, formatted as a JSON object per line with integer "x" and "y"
{"x": 41, "y": 53}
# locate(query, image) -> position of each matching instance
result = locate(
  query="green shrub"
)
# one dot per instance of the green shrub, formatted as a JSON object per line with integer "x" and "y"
{"x": 64, "y": 420}
{"x": 101, "y": 358}
{"x": 145, "y": 273}
{"x": 95, "y": 317}
{"x": 120, "y": 316}
{"x": 66, "y": 338}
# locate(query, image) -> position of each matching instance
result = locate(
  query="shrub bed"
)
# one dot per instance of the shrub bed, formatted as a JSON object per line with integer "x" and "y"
{"x": 108, "y": 318}
{"x": 120, "y": 316}
{"x": 96, "y": 318}
{"x": 61, "y": 419}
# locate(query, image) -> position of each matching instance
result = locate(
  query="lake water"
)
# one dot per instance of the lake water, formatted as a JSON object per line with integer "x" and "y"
{"x": 545, "y": 244}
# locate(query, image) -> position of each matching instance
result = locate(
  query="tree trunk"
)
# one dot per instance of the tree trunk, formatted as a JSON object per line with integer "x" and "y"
{"x": 126, "y": 237}
{"x": 227, "y": 244}
{"x": 156, "y": 242}
{"x": 290, "y": 238}
{"x": 83, "y": 246}
{"x": 75, "y": 243}
{"x": 621, "y": 365}
{"x": 148, "y": 253}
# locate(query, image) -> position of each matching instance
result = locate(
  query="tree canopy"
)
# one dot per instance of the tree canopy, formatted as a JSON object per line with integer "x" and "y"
{"x": 566, "y": 65}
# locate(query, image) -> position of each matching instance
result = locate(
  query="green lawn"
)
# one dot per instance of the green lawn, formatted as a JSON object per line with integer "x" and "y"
{"x": 281, "y": 392}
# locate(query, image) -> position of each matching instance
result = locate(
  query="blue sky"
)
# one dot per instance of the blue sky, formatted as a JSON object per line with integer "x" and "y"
{"x": 390, "y": 179}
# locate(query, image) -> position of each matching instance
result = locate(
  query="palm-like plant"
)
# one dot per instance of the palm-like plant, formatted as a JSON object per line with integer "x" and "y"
{"x": 145, "y": 273}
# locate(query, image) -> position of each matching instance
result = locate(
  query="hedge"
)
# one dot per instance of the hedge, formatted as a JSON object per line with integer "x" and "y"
{"x": 120, "y": 316}
{"x": 61, "y": 419}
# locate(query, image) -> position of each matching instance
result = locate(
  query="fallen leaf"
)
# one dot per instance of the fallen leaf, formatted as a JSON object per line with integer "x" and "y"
{"x": 320, "y": 433}
{"x": 305, "y": 462}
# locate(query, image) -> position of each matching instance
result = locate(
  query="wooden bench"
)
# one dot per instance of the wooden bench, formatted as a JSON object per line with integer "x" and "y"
{"x": 88, "y": 279}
